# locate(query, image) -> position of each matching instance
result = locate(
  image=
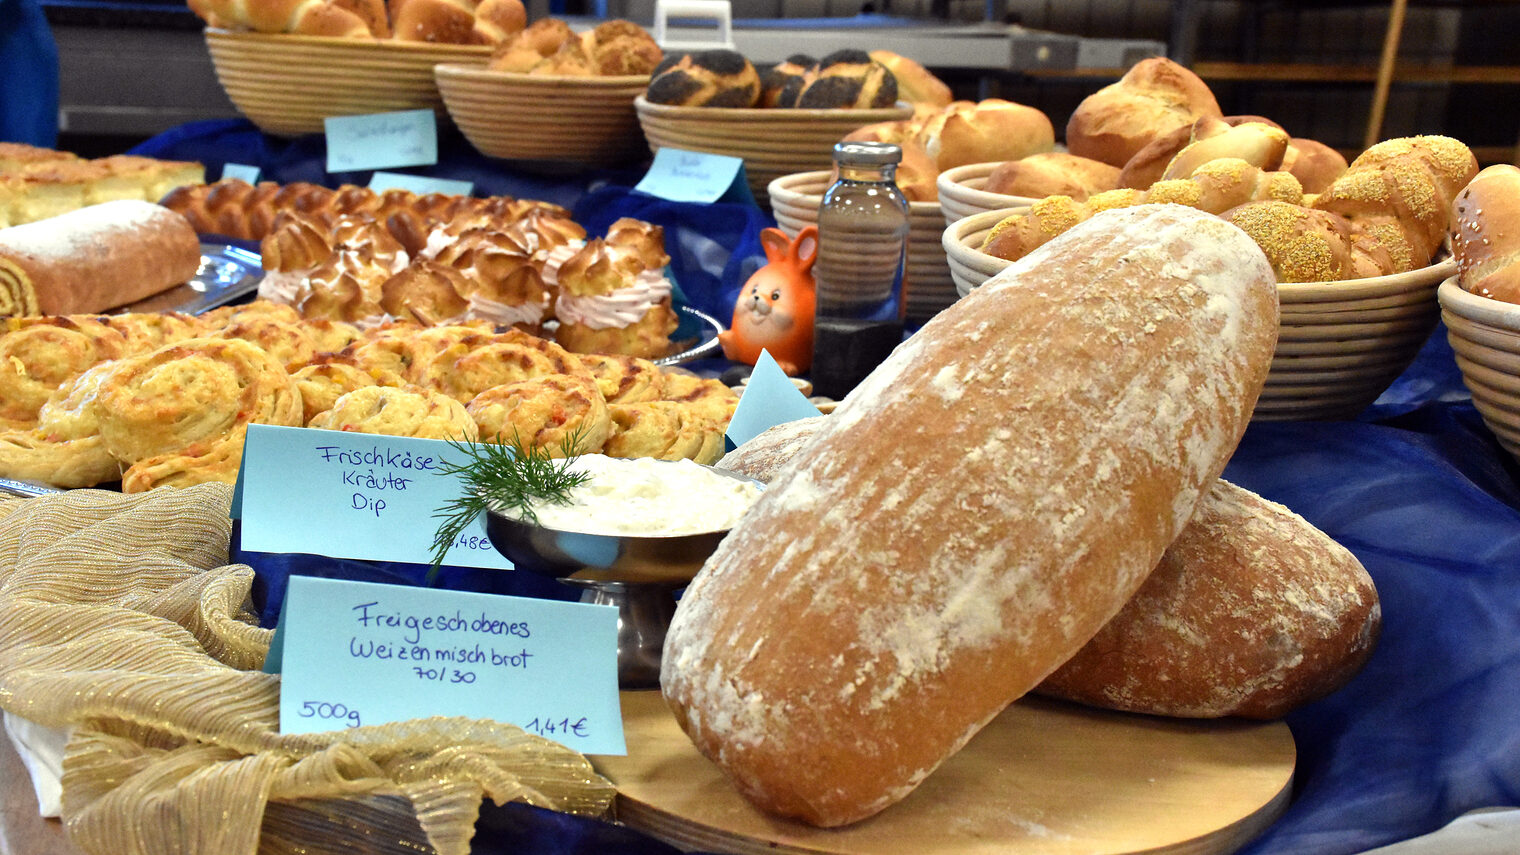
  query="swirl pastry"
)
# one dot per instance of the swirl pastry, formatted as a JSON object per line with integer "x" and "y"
{"x": 625, "y": 379}
{"x": 214, "y": 460}
{"x": 65, "y": 449}
{"x": 405, "y": 348}
{"x": 398, "y": 411}
{"x": 37, "y": 355}
{"x": 145, "y": 331}
{"x": 289, "y": 343}
{"x": 190, "y": 394}
{"x": 656, "y": 429}
{"x": 712, "y": 398}
{"x": 469, "y": 367}
{"x": 545, "y": 413}
{"x": 331, "y": 377}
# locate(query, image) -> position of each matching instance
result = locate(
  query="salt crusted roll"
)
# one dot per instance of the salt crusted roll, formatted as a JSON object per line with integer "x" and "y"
{"x": 95, "y": 258}
{"x": 908, "y": 575}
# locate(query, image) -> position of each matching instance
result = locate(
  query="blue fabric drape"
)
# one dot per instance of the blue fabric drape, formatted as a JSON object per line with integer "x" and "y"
{"x": 29, "y": 80}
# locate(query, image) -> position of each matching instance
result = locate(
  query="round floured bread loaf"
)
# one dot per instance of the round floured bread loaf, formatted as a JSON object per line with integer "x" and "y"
{"x": 908, "y": 575}
{"x": 1252, "y": 612}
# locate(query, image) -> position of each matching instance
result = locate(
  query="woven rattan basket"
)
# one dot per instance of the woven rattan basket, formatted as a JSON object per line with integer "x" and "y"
{"x": 1340, "y": 344}
{"x": 1485, "y": 334}
{"x": 772, "y": 142}
{"x": 961, "y": 193}
{"x": 795, "y": 199}
{"x": 288, "y": 84}
{"x": 587, "y": 120}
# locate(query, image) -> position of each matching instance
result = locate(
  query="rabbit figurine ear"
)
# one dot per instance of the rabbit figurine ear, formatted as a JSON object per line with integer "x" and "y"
{"x": 776, "y": 244}
{"x": 805, "y": 248}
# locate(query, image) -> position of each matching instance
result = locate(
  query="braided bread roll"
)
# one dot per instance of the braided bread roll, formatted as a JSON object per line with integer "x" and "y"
{"x": 1214, "y": 188}
{"x": 1400, "y": 192}
{"x": 192, "y": 394}
{"x": 1485, "y": 234}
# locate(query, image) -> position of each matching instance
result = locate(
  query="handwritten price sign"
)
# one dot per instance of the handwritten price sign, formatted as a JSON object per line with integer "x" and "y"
{"x": 380, "y": 492}
{"x": 356, "y": 653}
{"x": 381, "y": 140}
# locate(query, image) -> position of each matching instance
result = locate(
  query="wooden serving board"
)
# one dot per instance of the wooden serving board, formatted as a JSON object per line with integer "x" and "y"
{"x": 1044, "y": 777}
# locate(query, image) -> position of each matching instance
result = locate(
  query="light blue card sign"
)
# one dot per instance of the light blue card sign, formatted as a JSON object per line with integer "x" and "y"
{"x": 419, "y": 184}
{"x": 678, "y": 175}
{"x": 770, "y": 398}
{"x": 241, "y": 171}
{"x": 350, "y": 495}
{"x": 381, "y": 140}
{"x": 358, "y": 653}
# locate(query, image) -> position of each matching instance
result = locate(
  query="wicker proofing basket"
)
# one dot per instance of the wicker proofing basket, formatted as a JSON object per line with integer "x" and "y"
{"x": 1339, "y": 345}
{"x": 773, "y": 142}
{"x": 795, "y": 199}
{"x": 288, "y": 84}
{"x": 961, "y": 193}
{"x": 1485, "y": 334}
{"x": 503, "y": 114}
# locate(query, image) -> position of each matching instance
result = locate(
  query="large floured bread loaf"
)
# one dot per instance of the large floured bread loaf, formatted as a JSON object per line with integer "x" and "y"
{"x": 1252, "y": 612}
{"x": 908, "y": 575}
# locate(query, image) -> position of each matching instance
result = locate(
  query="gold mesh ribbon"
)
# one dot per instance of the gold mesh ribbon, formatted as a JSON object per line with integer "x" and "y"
{"x": 120, "y": 617}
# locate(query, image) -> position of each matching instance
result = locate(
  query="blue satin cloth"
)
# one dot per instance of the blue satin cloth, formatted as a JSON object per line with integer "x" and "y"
{"x": 29, "y": 92}
{"x": 1416, "y": 487}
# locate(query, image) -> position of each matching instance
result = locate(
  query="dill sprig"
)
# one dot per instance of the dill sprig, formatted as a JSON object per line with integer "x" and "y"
{"x": 508, "y": 476}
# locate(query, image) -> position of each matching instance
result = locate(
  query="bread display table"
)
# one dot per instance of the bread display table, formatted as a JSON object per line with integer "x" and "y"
{"x": 1043, "y": 777}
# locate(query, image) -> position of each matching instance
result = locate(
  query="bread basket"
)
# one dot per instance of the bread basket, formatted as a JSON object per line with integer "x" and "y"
{"x": 587, "y": 120}
{"x": 1340, "y": 344}
{"x": 772, "y": 142}
{"x": 795, "y": 199}
{"x": 961, "y": 193}
{"x": 287, "y": 84}
{"x": 1485, "y": 333}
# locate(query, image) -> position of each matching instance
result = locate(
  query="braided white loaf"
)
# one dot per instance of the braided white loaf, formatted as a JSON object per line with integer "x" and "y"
{"x": 907, "y": 575}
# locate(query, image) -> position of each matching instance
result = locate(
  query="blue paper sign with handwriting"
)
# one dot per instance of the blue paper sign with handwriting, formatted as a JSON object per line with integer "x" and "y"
{"x": 770, "y": 398}
{"x": 240, "y": 171}
{"x": 351, "y": 495}
{"x": 358, "y": 653}
{"x": 678, "y": 175}
{"x": 381, "y": 140}
{"x": 419, "y": 184}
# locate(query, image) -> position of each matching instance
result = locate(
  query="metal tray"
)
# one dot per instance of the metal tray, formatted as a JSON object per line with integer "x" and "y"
{"x": 228, "y": 273}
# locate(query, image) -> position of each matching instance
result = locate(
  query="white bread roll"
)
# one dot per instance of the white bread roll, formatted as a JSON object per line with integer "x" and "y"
{"x": 908, "y": 574}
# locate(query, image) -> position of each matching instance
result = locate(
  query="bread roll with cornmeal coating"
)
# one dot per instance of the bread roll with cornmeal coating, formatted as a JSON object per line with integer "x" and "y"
{"x": 907, "y": 575}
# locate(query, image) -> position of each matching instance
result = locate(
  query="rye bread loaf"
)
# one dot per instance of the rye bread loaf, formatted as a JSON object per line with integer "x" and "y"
{"x": 909, "y": 574}
{"x": 1252, "y": 612}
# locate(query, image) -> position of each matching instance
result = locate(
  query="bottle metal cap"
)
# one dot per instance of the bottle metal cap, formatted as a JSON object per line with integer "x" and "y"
{"x": 867, "y": 153}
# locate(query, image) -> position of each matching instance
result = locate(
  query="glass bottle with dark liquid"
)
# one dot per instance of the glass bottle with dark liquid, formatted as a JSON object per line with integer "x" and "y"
{"x": 862, "y": 245}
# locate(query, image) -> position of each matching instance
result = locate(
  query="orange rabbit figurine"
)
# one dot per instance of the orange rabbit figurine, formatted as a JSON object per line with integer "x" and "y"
{"x": 775, "y": 307}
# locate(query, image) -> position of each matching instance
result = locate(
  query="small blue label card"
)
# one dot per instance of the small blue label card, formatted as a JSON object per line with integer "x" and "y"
{"x": 360, "y": 653}
{"x": 351, "y": 495}
{"x": 678, "y": 175}
{"x": 770, "y": 398}
{"x": 381, "y": 140}
{"x": 240, "y": 171}
{"x": 419, "y": 184}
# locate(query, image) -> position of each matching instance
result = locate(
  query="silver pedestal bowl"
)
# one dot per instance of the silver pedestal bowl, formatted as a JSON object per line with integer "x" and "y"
{"x": 640, "y": 574}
